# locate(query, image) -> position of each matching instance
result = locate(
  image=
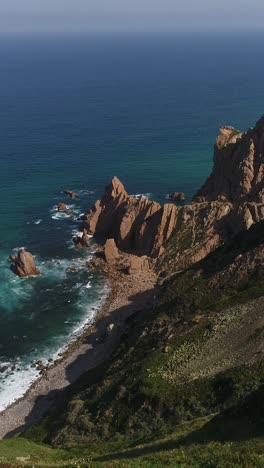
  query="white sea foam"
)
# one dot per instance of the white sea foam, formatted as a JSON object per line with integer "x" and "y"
{"x": 21, "y": 378}
{"x": 19, "y": 381}
{"x": 72, "y": 212}
{"x": 59, "y": 215}
{"x": 137, "y": 196}
{"x": 38, "y": 221}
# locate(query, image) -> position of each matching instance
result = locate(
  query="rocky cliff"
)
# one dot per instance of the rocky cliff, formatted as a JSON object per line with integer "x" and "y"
{"x": 231, "y": 200}
{"x": 139, "y": 226}
{"x": 238, "y": 168}
{"x": 197, "y": 348}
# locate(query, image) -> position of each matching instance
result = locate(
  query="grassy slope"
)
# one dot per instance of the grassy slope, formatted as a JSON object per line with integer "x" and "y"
{"x": 151, "y": 384}
{"x": 202, "y": 442}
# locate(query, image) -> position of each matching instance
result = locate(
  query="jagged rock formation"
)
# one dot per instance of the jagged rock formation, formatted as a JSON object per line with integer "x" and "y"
{"x": 139, "y": 226}
{"x": 23, "y": 264}
{"x": 231, "y": 200}
{"x": 81, "y": 241}
{"x": 238, "y": 169}
{"x": 111, "y": 251}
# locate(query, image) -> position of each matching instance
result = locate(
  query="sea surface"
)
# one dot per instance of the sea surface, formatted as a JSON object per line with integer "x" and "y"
{"x": 77, "y": 110}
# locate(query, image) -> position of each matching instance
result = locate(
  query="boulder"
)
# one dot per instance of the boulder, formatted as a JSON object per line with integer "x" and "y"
{"x": 61, "y": 207}
{"x": 70, "y": 193}
{"x": 82, "y": 241}
{"x": 23, "y": 264}
{"x": 111, "y": 251}
{"x": 177, "y": 196}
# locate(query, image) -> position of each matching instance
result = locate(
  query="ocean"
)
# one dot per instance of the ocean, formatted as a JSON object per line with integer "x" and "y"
{"x": 76, "y": 110}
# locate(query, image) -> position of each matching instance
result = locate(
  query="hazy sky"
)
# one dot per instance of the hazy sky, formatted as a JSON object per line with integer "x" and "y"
{"x": 87, "y": 15}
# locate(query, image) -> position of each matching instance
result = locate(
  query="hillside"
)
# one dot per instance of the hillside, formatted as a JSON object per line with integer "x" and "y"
{"x": 184, "y": 385}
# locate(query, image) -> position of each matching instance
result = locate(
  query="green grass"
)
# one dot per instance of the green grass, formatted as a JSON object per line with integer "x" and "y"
{"x": 191, "y": 444}
{"x": 22, "y": 452}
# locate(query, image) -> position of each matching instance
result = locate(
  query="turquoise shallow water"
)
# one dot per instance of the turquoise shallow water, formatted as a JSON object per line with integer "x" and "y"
{"x": 74, "y": 111}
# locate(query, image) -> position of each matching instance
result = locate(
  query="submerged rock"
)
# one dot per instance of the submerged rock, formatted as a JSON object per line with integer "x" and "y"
{"x": 23, "y": 264}
{"x": 70, "y": 193}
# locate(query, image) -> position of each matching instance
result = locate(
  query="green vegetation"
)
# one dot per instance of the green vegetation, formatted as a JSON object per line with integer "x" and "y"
{"x": 200, "y": 443}
{"x": 185, "y": 385}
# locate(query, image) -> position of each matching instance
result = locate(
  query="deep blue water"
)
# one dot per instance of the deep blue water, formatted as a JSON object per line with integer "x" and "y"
{"x": 76, "y": 110}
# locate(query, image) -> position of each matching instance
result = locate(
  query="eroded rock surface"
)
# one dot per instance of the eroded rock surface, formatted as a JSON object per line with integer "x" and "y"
{"x": 111, "y": 251}
{"x": 238, "y": 168}
{"x": 138, "y": 265}
{"x": 23, "y": 264}
{"x": 138, "y": 226}
{"x": 230, "y": 201}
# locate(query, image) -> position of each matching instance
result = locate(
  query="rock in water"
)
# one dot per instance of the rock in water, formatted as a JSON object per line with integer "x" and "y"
{"x": 70, "y": 193}
{"x": 23, "y": 264}
{"x": 177, "y": 196}
{"x": 111, "y": 251}
{"x": 61, "y": 207}
{"x": 82, "y": 241}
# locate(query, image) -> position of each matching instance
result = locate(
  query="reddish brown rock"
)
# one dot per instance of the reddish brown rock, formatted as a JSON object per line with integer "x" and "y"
{"x": 230, "y": 201}
{"x": 70, "y": 193}
{"x": 111, "y": 251}
{"x": 82, "y": 241}
{"x": 177, "y": 196}
{"x": 238, "y": 171}
{"x": 137, "y": 226}
{"x": 61, "y": 207}
{"x": 138, "y": 265}
{"x": 23, "y": 264}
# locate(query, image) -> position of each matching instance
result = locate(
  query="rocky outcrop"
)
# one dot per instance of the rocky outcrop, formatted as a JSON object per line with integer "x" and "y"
{"x": 139, "y": 226}
{"x": 177, "y": 196}
{"x": 230, "y": 201}
{"x": 238, "y": 170}
{"x": 111, "y": 253}
{"x": 23, "y": 264}
{"x": 81, "y": 240}
{"x": 70, "y": 193}
{"x": 61, "y": 207}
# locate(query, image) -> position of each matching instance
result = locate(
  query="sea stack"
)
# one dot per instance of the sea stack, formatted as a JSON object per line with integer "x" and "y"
{"x": 23, "y": 264}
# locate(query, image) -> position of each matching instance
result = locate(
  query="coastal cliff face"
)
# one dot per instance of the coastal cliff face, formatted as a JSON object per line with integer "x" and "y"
{"x": 238, "y": 169}
{"x": 197, "y": 348}
{"x": 230, "y": 201}
{"x": 138, "y": 226}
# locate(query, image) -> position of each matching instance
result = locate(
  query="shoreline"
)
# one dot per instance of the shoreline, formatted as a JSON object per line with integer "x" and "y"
{"x": 127, "y": 294}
